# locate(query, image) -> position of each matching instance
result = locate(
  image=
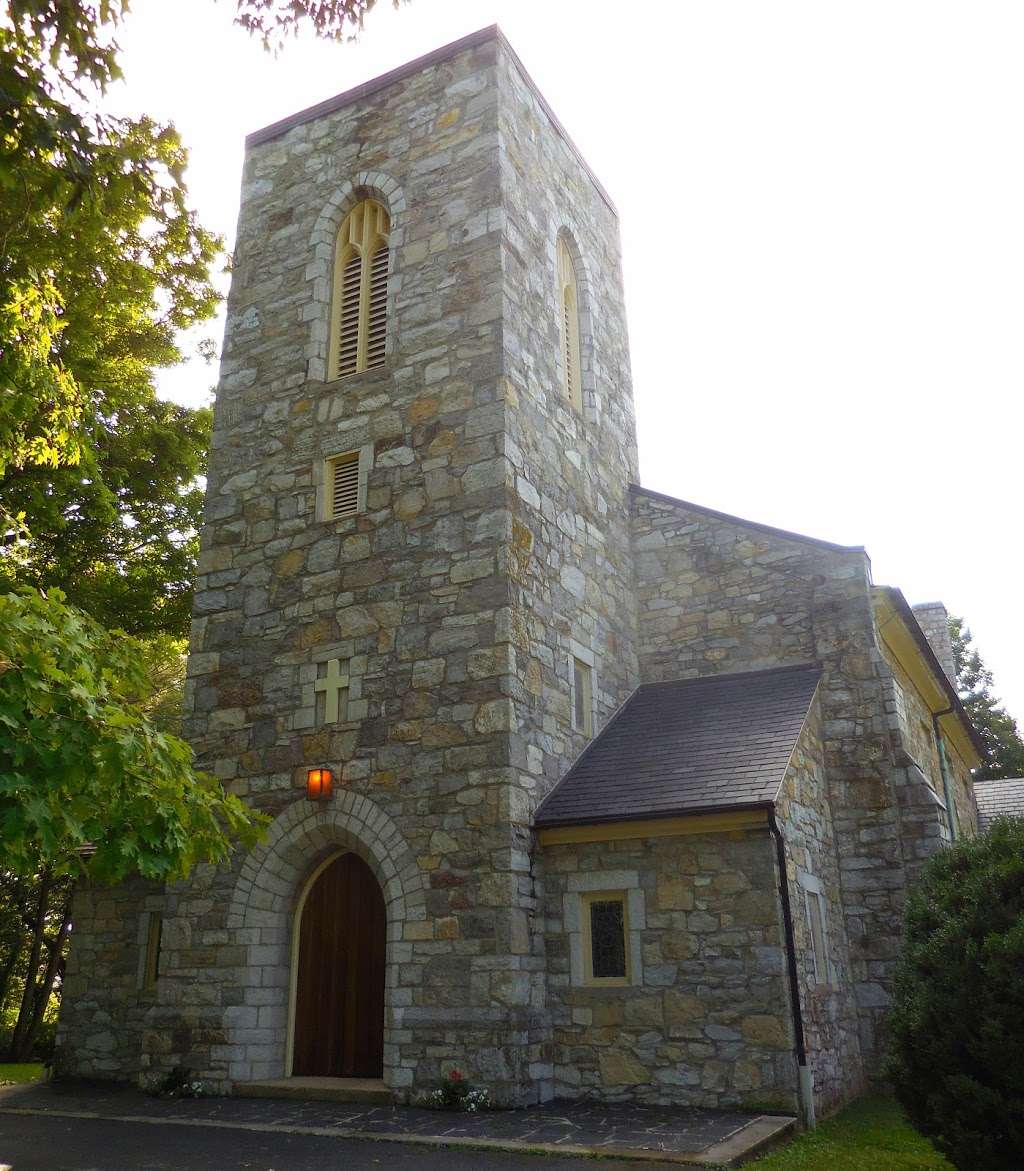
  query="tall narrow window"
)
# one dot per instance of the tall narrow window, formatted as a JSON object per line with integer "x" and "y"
{"x": 359, "y": 303}
{"x": 816, "y": 922}
{"x": 582, "y": 697}
{"x": 154, "y": 938}
{"x": 569, "y": 327}
{"x": 606, "y": 938}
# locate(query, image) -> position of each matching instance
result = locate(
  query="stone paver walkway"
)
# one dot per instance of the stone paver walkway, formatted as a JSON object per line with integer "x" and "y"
{"x": 669, "y": 1134}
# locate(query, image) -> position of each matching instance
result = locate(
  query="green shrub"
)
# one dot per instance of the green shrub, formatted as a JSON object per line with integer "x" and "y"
{"x": 957, "y": 1054}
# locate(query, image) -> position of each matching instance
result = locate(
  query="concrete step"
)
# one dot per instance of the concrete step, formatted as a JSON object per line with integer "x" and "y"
{"x": 368, "y": 1090}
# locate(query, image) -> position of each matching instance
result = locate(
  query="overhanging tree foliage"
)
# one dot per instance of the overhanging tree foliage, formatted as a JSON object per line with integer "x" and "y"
{"x": 88, "y": 784}
{"x": 995, "y": 725}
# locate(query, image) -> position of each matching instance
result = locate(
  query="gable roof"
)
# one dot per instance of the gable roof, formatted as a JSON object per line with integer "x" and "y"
{"x": 688, "y": 746}
{"x": 998, "y": 799}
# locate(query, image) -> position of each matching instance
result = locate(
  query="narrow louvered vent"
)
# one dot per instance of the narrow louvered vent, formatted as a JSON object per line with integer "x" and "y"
{"x": 343, "y": 485}
{"x": 348, "y": 318}
{"x": 377, "y": 319}
{"x": 360, "y": 296}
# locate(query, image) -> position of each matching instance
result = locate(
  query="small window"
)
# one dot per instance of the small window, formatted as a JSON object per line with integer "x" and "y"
{"x": 569, "y": 327}
{"x": 606, "y": 938}
{"x": 154, "y": 936}
{"x": 582, "y": 697}
{"x": 359, "y": 301}
{"x": 816, "y": 923}
{"x": 344, "y": 485}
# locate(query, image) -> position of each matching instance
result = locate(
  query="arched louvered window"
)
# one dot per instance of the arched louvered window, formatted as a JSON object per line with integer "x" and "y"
{"x": 569, "y": 326}
{"x": 360, "y": 301}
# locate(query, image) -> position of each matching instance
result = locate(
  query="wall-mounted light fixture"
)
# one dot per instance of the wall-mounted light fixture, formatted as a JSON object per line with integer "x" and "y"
{"x": 319, "y": 783}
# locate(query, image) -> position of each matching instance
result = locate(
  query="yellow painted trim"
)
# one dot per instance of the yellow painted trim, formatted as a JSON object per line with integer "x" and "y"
{"x": 586, "y": 941}
{"x": 902, "y": 646}
{"x": 662, "y": 827}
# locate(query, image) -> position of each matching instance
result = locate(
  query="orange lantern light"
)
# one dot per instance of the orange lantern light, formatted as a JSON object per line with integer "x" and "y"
{"x": 319, "y": 783}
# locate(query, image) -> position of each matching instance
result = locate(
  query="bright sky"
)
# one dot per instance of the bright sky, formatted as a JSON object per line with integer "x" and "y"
{"x": 822, "y": 214}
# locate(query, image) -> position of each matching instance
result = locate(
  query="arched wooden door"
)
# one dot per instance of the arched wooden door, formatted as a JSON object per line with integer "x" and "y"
{"x": 339, "y": 991}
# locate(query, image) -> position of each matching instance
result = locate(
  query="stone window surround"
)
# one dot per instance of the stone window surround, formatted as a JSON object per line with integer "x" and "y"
{"x": 812, "y": 887}
{"x": 612, "y": 882}
{"x": 320, "y": 269}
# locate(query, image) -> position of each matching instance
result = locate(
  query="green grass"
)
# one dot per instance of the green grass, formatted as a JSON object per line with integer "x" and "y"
{"x": 869, "y": 1135}
{"x": 11, "y": 1073}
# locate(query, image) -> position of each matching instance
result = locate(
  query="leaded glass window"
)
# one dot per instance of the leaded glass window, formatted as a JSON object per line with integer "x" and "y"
{"x": 607, "y": 938}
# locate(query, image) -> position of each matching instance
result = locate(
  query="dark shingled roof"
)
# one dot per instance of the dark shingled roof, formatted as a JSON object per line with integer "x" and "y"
{"x": 688, "y": 746}
{"x": 999, "y": 799}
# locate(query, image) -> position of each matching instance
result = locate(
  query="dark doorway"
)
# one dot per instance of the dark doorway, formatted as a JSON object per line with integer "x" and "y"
{"x": 339, "y": 994}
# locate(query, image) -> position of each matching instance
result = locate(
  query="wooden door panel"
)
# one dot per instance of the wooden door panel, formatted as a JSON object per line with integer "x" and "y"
{"x": 339, "y": 1000}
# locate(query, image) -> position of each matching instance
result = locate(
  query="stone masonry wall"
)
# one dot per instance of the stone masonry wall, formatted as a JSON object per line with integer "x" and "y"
{"x": 718, "y": 594}
{"x": 569, "y": 564}
{"x": 708, "y": 1022}
{"x": 104, "y": 1003}
{"x": 829, "y": 1006}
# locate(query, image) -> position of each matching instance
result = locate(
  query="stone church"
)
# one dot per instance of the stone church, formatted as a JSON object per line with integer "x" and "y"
{"x": 587, "y": 791}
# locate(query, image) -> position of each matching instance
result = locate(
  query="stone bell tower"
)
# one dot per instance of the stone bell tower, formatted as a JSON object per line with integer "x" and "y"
{"x": 414, "y": 570}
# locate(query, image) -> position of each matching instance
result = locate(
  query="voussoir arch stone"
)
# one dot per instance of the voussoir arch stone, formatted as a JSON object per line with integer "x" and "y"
{"x": 261, "y": 913}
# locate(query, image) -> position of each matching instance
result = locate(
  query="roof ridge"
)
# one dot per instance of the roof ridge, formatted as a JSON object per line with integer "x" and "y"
{"x": 750, "y": 524}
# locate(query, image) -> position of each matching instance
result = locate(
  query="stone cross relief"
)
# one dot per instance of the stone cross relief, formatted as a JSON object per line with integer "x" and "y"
{"x": 333, "y": 683}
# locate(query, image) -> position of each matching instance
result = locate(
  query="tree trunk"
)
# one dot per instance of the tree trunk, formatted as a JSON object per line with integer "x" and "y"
{"x": 42, "y": 997}
{"x": 8, "y": 970}
{"x": 19, "y": 1049}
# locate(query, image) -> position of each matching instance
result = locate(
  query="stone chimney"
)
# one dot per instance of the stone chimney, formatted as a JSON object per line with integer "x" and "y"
{"x": 933, "y": 619}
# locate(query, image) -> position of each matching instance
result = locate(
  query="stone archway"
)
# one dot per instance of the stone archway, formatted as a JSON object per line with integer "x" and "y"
{"x": 261, "y": 919}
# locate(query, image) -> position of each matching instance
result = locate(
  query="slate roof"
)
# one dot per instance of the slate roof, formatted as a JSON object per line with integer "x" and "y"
{"x": 999, "y": 799}
{"x": 688, "y": 746}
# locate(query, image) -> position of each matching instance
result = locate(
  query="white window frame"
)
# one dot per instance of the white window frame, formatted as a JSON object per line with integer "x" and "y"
{"x": 581, "y": 655}
{"x": 814, "y": 897}
{"x": 323, "y": 486}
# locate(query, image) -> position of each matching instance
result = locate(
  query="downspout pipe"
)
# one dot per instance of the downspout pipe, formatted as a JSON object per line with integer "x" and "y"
{"x": 805, "y": 1077}
{"x": 947, "y": 788}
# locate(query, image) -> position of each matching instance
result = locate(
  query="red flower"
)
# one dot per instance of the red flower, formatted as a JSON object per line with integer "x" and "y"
{"x": 456, "y": 1075}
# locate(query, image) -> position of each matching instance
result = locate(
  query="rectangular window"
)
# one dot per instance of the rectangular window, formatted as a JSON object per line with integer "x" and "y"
{"x": 154, "y": 936}
{"x": 816, "y": 923}
{"x": 344, "y": 485}
{"x": 606, "y": 938}
{"x": 582, "y": 697}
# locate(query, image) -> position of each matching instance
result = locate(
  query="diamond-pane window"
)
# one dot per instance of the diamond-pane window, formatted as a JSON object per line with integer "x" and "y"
{"x": 607, "y": 938}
